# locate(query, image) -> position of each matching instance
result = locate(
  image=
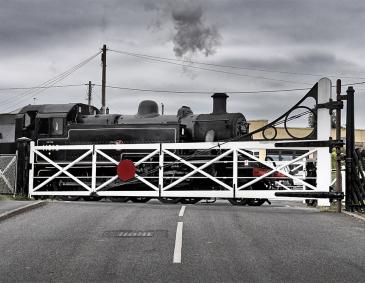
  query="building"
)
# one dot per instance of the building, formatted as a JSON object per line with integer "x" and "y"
{"x": 298, "y": 132}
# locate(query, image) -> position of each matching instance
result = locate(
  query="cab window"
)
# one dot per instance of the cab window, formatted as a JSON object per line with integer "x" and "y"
{"x": 43, "y": 126}
{"x": 57, "y": 126}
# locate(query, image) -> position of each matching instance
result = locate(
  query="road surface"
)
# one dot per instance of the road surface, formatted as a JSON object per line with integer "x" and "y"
{"x": 153, "y": 242}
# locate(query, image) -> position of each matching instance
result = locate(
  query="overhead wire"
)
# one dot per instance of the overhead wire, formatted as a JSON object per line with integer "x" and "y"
{"x": 39, "y": 87}
{"x": 47, "y": 84}
{"x": 233, "y": 67}
{"x": 200, "y": 92}
{"x": 207, "y": 69}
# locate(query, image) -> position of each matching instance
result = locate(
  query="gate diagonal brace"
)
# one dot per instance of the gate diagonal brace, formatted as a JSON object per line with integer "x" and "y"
{"x": 198, "y": 169}
{"x": 63, "y": 170}
{"x": 98, "y": 151}
{"x": 276, "y": 169}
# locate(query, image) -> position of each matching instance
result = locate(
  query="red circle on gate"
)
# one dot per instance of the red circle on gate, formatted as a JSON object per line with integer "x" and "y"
{"x": 126, "y": 170}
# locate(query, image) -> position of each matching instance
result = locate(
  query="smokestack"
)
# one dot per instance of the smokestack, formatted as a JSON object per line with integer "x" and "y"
{"x": 219, "y": 103}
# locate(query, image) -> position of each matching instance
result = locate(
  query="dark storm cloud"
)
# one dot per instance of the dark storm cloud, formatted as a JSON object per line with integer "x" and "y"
{"x": 192, "y": 34}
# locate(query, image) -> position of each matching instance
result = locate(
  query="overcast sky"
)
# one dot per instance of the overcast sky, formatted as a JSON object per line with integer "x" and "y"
{"x": 314, "y": 38}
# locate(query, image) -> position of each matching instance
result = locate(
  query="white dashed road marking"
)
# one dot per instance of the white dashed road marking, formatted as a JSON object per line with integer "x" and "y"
{"x": 182, "y": 210}
{"x": 178, "y": 243}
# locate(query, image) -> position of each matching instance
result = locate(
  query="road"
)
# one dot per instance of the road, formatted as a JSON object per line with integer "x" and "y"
{"x": 127, "y": 242}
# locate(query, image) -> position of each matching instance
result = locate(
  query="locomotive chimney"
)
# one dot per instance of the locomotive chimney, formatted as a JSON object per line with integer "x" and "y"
{"x": 219, "y": 103}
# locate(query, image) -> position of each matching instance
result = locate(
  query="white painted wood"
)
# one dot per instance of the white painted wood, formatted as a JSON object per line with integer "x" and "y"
{"x": 324, "y": 133}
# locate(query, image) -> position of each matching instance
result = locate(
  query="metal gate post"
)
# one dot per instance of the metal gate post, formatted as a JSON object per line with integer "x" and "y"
{"x": 23, "y": 152}
{"x": 93, "y": 170}
{"x": 235, "y": 171}
{"x": 31, "y": 169}
{"x": 160, "y": 170}
{"x": 323, "y": 133}
{"x": 350, "y": 146}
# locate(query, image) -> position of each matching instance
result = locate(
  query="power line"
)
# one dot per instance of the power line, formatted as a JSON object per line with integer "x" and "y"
{"x": 233, "y": 67}
{"x": 47, "y": 84}
{"x": 207, "y": 69}
{"x": 202, "y": 92}
{"x": 38, "y": 87}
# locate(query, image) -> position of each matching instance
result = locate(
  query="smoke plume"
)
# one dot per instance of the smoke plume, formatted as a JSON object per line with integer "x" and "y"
{"x": 192, "y": 35}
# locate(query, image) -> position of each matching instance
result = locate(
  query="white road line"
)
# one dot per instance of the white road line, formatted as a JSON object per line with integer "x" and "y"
{"x": 178, "y": 243}
{"x": 182, "y": 210}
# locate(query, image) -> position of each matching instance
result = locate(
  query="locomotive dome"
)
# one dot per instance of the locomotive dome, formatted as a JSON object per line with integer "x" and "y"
{"x": 147, "y": 109}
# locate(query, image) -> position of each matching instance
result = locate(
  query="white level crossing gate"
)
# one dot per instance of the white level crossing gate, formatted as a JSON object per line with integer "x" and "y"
{"x": 204, "y": 170}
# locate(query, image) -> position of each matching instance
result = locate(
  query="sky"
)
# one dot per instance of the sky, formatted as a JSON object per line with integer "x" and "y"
{"x": 272, "y": 45}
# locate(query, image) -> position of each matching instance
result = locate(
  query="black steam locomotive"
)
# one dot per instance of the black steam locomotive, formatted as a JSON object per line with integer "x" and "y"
{"x": 67, "y": 124}
{"x": 82, "y": 124}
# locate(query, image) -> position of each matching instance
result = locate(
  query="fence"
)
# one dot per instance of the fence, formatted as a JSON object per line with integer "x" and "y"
{"x": 203, "y": 170}
{"x": 356, "y": 195}
{"x": 7, "y": 174}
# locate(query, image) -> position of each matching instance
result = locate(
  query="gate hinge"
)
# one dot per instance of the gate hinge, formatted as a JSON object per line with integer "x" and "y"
{"x": 321, "y": 143}
{"x": 331, "y": 105}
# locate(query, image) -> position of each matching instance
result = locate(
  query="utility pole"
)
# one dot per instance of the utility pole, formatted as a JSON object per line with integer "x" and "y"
{"x": 89, "y": 91}
{"x": 89, "y": 96}
{"x": 103, "y": 79}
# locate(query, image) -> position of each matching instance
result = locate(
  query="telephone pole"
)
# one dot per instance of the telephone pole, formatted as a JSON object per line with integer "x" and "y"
{"x": 103, "y": 79}
{"x": 89, "y": 91}
{"x": 89, "y": 95}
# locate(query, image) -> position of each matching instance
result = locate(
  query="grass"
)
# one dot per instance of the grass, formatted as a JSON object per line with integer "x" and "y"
{"x": 11, "y": 197}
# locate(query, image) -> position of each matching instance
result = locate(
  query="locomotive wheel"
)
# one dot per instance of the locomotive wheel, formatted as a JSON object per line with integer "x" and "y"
{"x": 92, "y": 198}
{"x": 119, "y": 199}
{"x": 238, "y": 201}
{"x": 169, "y": 200}
{"x": 190, "y": 200}
{"x": 140, "y": 199}
{"x": 255, "y": 201}
{"x": 69, "y": 198}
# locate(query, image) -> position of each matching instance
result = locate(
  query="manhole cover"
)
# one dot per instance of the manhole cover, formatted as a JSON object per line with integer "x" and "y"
{"x": 134, "y": 234}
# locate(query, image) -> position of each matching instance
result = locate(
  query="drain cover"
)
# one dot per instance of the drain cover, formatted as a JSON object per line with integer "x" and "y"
{"x": 133, "y": 233}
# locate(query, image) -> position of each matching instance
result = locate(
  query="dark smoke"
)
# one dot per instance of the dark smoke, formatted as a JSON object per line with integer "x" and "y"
{"x": 191, "y": 34}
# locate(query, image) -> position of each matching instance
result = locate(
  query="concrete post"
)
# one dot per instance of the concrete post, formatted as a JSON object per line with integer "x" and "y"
{"x": 324, "y": 133}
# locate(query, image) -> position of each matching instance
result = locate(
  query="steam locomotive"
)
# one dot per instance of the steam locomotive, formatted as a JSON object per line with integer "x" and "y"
{"x": 78, "y": 123}
{"x": 82, "y": 124}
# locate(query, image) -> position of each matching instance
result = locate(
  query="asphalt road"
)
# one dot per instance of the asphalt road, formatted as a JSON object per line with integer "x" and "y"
{"x": 117, "y": 242}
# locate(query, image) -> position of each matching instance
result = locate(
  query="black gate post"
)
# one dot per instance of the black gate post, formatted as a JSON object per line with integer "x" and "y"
{"x": 23, "y": 150}
{"x": 350, "y": 146}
